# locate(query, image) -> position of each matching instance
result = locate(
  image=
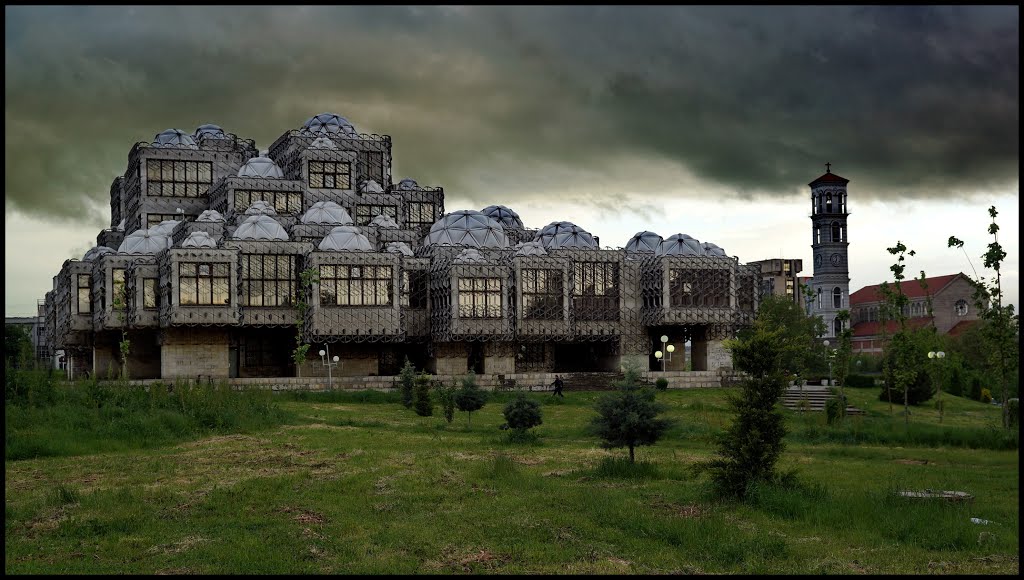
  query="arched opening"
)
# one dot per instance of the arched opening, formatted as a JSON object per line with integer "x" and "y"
{"x": 817, "y": 234}
{"x": 819, "y": 298}
{"x": 828, "y": 203}
{"x": 837, "y": 297}
{"x": 837, "y": 327}
{"x": 836, "y": 232}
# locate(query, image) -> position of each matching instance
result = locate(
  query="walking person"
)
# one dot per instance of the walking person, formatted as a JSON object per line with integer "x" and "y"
{"x": 558, "y": 387}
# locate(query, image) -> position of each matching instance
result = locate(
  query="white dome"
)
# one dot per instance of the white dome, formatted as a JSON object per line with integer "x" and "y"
{"x": 174, "y": 138}
{"x": 643, "y": 242}
{"x": 470, "y": 256}
{"x": 326, "y": 212}
{"x": 503, "y": 216}
{"x": 399, "y": 248}
{"x": 467, "y": 228}
{"x": 260, "y": 207}
{"x": 199, "y": 239}
{"x": 345, "y": 239}
{"x": 164, "y": 228}
{"x": 680, "y": 245}
{"x": 408, "y": 183}
{"x": 565, "y": 235}
{"x": 322, "y": 143}
{"x": 96, "y": 253}
{"x": 328, "y": 123}
{"x": 209, "y": 130}
{"x": 530, "y": 249}
{"x": 144, "y": 242}
{"x": 383, "y": 221}
{"x": 260, "y": 227}
{"x": 370, "y": 186}
{"x": 713, "y": 250}
{"x": 210, "y": 215}
{"x": 261, "y": 167}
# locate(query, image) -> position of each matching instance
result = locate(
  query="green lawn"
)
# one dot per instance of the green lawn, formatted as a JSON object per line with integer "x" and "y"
{"x": 355, "y": 483}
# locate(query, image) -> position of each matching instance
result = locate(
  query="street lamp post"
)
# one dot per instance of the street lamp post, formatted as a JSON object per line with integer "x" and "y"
{"x": 938, "y": 355}
{"x": 665, "y": 353}
{"x": 325, "y": 359}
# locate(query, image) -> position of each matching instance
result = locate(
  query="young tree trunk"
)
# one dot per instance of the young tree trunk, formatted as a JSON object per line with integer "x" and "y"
{"x": 631, "y": 454}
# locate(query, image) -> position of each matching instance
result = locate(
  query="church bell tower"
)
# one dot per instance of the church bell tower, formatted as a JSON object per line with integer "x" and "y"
{"x": 830, "y": 286}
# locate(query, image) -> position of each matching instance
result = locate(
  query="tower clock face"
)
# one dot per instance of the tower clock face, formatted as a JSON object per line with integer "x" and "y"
{"x": 817, "y": 260}
{"x": 836, "y": 259}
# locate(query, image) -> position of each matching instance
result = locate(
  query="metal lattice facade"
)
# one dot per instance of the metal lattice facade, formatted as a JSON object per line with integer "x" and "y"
{"x": 217, "y": 290}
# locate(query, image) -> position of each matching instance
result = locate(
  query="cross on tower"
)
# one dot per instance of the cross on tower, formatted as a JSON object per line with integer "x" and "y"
{"x": 828, "y": 168}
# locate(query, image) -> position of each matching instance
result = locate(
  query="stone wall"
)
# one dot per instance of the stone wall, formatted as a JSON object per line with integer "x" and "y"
{"x": 192, "y": 352}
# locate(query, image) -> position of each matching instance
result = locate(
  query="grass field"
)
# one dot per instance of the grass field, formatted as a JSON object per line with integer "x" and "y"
{"x": 354, "y": 483}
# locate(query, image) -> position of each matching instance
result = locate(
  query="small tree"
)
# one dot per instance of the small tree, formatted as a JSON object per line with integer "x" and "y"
{"x": 470, "y": 398}
{"x": 843, "y": 356}
{"x": 628, "y": 418}
{"x": 121, "y": 306}
{"x": 446, "y": 399}
{"x": 901, "y": 363}
{"x": 522, "y": 414}
{"x": 749, "y": 449}
{"x": 406, "y": 381}
{"x": 421, "y": 403}
{"x": 307, "y": 278}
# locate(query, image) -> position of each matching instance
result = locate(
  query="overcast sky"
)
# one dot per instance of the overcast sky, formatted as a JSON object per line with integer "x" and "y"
{"x": 708, "y": 121}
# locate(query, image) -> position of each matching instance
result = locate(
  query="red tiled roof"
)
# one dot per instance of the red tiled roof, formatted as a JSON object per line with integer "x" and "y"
{"x": 874, "y": 328}
{"x": 829, "y": 177}
{"x": 960, "y": 327}
{"x": 911, "y": 288}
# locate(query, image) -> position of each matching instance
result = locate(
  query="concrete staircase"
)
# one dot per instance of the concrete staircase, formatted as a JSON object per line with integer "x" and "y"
{"x": 811, "y": 398}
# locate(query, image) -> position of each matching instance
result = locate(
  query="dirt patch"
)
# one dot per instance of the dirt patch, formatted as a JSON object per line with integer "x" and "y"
{"x": 620, "y": 561}
{"x": 178, "y": 547}
{"x": 47, "y": 521}
{"x": 912, "y": 461}
{"x": 175, "y": 572}
{"x": 474, "y": 561}
{"x": 679, "y": 510}
{"x": 303, "y": 516}
{"x": 557, "y": 473}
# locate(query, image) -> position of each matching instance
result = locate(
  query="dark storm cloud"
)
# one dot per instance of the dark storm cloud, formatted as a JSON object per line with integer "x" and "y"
{"x": 914, "y": 101}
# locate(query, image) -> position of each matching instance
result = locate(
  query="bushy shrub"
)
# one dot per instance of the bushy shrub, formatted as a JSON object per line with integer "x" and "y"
{"x": 1013, "y": 411}
{"x": 421, "y": 402}
{"x": 835, "y": 409}
{"x": 860, "y": 381}
{"x": 921, "y": 389}
{"x": 446, "y": 399}
{"x": 522, "y": 414}
{"x": 629, "y": 418}
{"x": 661, "y": 383}
{"x": 470, "y": 398}
{"x": 956, "y": 383}
{"x": 986, "y": 396}
{"x": 975, "y": 391}
{"x": 406, "y": 382}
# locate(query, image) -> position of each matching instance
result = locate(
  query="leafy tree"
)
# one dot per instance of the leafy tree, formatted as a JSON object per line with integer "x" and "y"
{"x": 843, "y": 357}
{"x": 802, "y": 353}
{"x": 307, "y": 278}
{"x": 749, "y": 449}
{"x": 17, "y": 346}
{"x": 406, "y": 381}
{"x": 421, "y": 402}
{"x": 629, "y": 417}
{"x": 470, "y": 397}
{"x": 446, "y": 399}
{"x": 1001, "y": 331}
{"x": 522, "y": 414}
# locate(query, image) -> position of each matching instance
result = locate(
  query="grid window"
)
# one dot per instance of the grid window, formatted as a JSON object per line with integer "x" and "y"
{"x": 203, "y": 284}
{"x": 169, "y": 178}
{"x": 150, "y": 300}
{"x": 414, "y": 289}
{"x": 596, "y": 291}
{"x": 421, "y": 214}
{"x": 330, "y": 174}
{"x": 268, "y": 280}
{"x": 371, "y": 165}
{"x": 479, "y": 297}
{"x": 348, "y": 285}
{"x": 543, "y": 297}
{"x": 789, "y": 287}
{"x": 837, "y": 298}
{"x": 283, "y": 202}
{"x": 84, "y": 303}
{"x": 154, "y": 219}
{"x": 366, "y": 212}
{"x": 697, "y": 288}
{"x": 118, "y": 295}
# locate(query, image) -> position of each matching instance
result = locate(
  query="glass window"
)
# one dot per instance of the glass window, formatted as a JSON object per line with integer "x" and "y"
{"x": 366, "y": 212}
{"x": 595, "y": 290}
{"x": 837, "y": 327}
{"x": 178, "y": 178}
{"x": 960, "y": 307}
{"x": 421, "y": 214}
{"x": 283, "y": 202}
{"x": 837, "y": 298}
{"x": 117, "y": 294}
{"x": 84, "y": 302}
{"x": 329, "y": 174}
{"x": 414, "y": 289}
{"x": 154, "y": 219}
{"x": 479, "y": 297}
{"x": 268, "y": 280}
{"x": 543, "y": 297}
{"x": 149, "y": 294}
{"x": 203, "y": 284}
{"x": 836, "y": 232}
{"x": 700, "y": 288}
{"x": 371, "y": 165}
{"x": 347, "y": 285}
